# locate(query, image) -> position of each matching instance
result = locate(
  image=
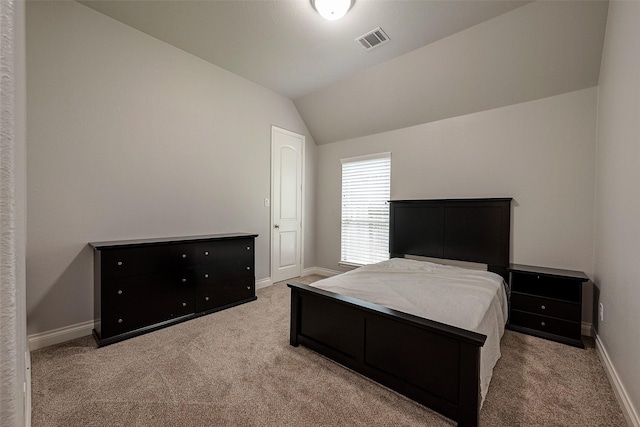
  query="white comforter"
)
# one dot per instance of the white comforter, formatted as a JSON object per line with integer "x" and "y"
{"x": 469, "y": 299}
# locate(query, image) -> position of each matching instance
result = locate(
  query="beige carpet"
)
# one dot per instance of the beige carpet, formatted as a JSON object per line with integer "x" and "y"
{"x": 236, "y": 367}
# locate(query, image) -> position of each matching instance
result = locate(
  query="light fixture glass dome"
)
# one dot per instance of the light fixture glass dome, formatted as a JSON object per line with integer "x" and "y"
{"x": 332, "y": 9}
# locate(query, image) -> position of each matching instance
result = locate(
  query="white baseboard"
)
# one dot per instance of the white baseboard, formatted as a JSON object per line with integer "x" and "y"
{"x": 263, "y": 283}
{"x": 628, "y": 410}
{"x": 57, "y": 336}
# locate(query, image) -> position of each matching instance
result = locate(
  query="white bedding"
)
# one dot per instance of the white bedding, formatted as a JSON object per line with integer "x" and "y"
{"x": 469, "y": 299}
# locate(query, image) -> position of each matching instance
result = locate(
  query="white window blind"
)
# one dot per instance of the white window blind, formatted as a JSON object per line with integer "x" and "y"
{"x": 366, "y": 188}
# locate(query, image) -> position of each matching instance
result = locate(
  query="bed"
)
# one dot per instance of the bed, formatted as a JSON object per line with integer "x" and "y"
{"x": 434, "y": 363}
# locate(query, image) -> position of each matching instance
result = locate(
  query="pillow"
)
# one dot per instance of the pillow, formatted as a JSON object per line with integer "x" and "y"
{"x": 453, "y": 262}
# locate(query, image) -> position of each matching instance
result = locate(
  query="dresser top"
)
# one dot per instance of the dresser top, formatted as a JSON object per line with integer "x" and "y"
{"x": 159, "y": 240}
{"x": 532, "y": 269}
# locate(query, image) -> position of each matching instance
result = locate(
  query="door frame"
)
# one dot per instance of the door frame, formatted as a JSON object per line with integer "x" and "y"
{"x": 275, "y": 128}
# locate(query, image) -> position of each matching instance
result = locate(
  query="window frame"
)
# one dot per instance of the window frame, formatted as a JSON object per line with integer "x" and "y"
{"x": 379, "y": 206}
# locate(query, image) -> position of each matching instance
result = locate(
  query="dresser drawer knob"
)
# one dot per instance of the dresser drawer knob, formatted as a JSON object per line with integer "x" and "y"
{"x": 206, "y": 276}
{"x": 538, "y": 277}
{"x": 119, "y": 320}
{"x": 249, "y": 287}
{"x": 206, "y": 298}
{"x": 248, "y": 248}
{"x": 119, "y": 263}
{"x": 206, "y": 253}
{"x": 119, "y": 291}
{"x": 184, "y": 304}
{"x": 248, "y": 268}
{"x": 543, "y": 324}
{"x": 184, "y": 280}
{"x": 184, "y": 255}
{"x": 543, "y": 307}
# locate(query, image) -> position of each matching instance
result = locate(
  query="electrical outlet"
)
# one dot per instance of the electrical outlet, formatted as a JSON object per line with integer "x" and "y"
{"x": 601, "y": 311}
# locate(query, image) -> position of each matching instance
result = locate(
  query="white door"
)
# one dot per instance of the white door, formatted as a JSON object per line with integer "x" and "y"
{"x": 286, "y": 206}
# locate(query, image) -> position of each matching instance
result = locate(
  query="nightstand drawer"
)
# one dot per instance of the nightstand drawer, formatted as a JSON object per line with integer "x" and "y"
{"x": 552, "y": 287}
{"x": 546, "y": 324}
{"x": 546, "y": 307}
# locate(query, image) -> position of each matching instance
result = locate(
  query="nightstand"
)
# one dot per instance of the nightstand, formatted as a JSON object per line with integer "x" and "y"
{"x": 547, "y": 302}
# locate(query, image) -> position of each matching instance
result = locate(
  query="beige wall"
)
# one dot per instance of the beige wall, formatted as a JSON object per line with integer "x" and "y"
{"x": 618, "y": 195}
{"x": 537, "y": 50}
{"x": 129, "y": 137}
{"x": 541, "y": 153}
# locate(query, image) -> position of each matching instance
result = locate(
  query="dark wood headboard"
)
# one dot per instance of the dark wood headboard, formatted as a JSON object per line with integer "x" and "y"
{"x": 475, "y": 230}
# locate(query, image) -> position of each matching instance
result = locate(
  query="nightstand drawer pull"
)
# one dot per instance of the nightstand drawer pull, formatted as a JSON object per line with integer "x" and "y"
{"x": 543, "y": 324}
{"x": 543, "y": 307}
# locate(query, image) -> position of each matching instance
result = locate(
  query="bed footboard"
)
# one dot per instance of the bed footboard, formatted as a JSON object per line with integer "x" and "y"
{"x": 434, "y": 364}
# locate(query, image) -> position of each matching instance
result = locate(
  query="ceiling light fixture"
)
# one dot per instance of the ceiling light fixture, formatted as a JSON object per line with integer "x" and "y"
{"x": 332, "y": 9}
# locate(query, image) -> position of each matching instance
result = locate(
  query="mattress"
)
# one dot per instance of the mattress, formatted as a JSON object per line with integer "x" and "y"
{"x": 469, "y": 299}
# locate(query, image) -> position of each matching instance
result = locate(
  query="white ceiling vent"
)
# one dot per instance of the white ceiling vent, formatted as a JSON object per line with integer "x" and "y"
{"x": 373, "y": 38}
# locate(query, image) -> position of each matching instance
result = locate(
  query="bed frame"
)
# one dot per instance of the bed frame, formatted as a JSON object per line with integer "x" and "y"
{"x": 435, "y": 364}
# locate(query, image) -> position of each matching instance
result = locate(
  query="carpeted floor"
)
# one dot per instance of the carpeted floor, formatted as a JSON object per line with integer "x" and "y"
{"x": 236, "y": 367}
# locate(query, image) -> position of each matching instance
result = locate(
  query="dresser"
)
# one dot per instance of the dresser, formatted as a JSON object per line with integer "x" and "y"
{"x": 547, "y": 302}
{"x": 144, "y": 285}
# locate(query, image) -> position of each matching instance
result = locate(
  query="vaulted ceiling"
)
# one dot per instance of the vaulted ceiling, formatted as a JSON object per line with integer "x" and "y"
{"x": 444, "y": 58}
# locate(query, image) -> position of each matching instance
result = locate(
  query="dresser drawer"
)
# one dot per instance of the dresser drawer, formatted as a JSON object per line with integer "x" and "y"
{"x": 224, "y": 251}
{"x": 546, "y": 324}
{"x": 142, "y": 260}
{"x": 150, "y": 284}
{"x": 215, "y": 297}
{"x": 214, "y": 275}
{"x": 213, "y": 292}
{"x": 546, "y": 307}
{"x": 225, "y": 270}
{"x": 133, "y": 303}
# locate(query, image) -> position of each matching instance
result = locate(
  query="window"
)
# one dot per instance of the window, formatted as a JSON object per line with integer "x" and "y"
{"x": 366, "y": 184}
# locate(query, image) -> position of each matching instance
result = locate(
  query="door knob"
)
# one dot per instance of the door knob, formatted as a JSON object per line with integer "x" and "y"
{"x": 276, "y": 226}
